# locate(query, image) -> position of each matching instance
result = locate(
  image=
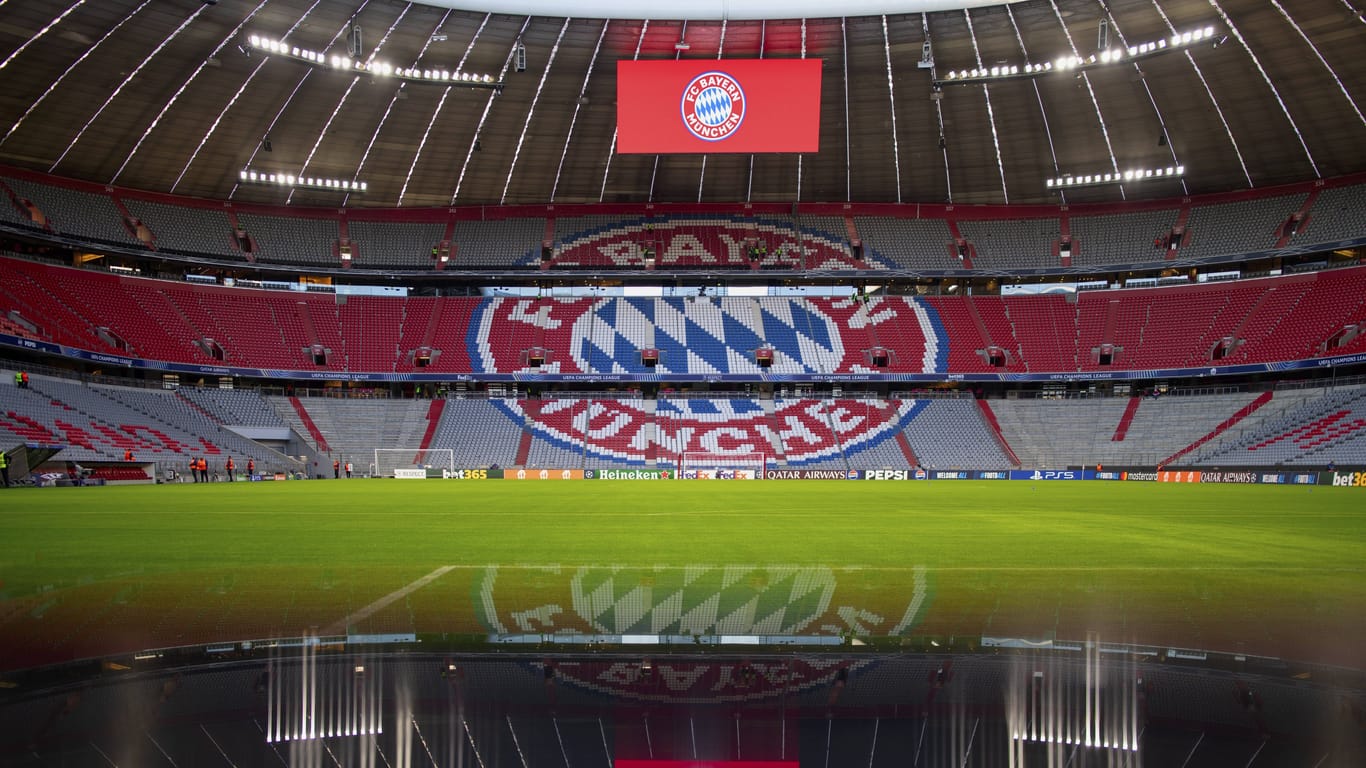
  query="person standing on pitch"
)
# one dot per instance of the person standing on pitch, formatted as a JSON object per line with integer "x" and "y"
{"x": 336, "y": 468}
{"x": 251, "y": 467}
{"x": 4, "y": 468}
{"x": 231, "y": 470}
{"x": 348, "y": 470}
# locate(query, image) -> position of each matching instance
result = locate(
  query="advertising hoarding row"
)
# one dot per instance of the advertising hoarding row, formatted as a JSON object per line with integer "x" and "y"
{"x": 1254, "y": 476}
{"x": 1354, "y": 478}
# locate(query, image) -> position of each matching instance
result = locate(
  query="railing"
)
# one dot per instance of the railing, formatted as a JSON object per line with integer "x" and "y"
{"x": 930, "y": 394}
{"x": 1336, "y": 381}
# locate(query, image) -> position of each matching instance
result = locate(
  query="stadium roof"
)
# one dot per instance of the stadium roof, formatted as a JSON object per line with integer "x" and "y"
{"x": 169, "y": 96}
{"x": 711, "y": 9}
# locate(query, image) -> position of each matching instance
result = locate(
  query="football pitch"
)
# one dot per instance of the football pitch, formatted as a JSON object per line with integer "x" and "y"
{"x": 1263, "y": 570}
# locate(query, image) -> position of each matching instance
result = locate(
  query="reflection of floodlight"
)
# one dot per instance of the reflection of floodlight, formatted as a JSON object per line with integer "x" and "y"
{"x": 360, "y": 669}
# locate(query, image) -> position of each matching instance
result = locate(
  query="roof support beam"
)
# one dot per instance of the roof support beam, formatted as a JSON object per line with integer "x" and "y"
{"x": 176, "y": 96}
{"x": 1322, "y": 61}
{"x": 335, "y": 37}
{"x": 578, "y": 105}
{"x": 891, "y": 102}
{"x": 322, "y": 134}
{"x": 488, "y": 105}
{"x": 991, "y": 116}
{"x": 612, "y": 149}
{"x": 417, "y": 154}
{"x": 848, "y": 150}
{"x": 1161, "y": 121}
{"x": 1104, "y": 131}
{"x": 360, "y": 166}
{"x": 1208, "y": 92}
{"x": 115, "y": 93}
{"x": 1038, "y": 96}
{"x": 939, "y": 116}
{"x": 53, "y": 86}
{"x": 526, "y": 124}
{"x": 1256, "y": 62}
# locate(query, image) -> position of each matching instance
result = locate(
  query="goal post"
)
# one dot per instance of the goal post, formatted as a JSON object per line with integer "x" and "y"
{"x": 389, "y": 459}
{"x": 702, "y": 465}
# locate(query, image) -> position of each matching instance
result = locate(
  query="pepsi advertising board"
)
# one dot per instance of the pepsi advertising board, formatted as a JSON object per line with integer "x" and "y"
{"x": 711, "y": 106}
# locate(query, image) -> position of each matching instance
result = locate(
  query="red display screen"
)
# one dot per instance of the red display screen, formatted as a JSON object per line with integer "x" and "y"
{"x": 727, "y": 105}
{"x": 619, "y": 763}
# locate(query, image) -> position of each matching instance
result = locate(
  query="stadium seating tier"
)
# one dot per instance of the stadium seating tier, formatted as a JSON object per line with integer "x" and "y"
{"x": 1251, "y": 321}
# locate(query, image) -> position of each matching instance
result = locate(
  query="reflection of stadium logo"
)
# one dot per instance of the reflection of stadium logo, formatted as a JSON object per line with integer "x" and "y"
{"x": 779, "y": 600}
{"x": 713, "y": 106}
{"x": 704, "y": 681}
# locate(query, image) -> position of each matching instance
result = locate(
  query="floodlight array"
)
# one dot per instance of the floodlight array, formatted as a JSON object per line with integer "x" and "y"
{"x": 310, "y": 182}
{"x": 1119, "y": 177}
{"x": 1077, "y": 63}
{"x": 437, "y": 76}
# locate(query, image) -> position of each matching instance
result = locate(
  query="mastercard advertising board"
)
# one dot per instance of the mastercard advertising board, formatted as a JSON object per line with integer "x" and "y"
{"x": 714, "y": 106}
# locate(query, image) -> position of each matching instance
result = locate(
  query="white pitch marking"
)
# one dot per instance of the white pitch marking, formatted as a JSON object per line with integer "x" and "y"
{"x": 379, "y": 605}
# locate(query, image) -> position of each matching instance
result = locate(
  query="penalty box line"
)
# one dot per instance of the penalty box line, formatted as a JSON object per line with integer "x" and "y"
{"x": 342, "y": 626}
{"x": 362, "y": 614}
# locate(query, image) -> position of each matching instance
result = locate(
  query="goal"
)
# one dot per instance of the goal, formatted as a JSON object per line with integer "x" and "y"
{"x": 389, "y": 459}
{"x": 697, "y": 465}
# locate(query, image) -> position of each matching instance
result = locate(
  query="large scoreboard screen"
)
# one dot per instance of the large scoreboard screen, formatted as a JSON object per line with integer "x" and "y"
{"x": 727, "y": 105}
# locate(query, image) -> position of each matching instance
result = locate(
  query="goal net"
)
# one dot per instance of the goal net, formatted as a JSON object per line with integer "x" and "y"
{"x": 693, "y": 465}
{"x": 389, "y": 459}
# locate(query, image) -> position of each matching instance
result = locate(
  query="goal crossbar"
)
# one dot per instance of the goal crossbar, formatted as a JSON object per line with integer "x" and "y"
{"x": 756, "y": 462}
{"x": 389, "y": 459}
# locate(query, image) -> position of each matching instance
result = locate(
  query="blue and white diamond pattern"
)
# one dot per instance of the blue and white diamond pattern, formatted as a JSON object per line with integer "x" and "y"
{"x": 713, "y": 106}
{"x": 705, "y": 337}
{"x": 732, "y": 599}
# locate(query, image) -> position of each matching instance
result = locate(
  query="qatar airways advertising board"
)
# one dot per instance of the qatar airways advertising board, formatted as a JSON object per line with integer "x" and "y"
{"x": 714, "y": 106}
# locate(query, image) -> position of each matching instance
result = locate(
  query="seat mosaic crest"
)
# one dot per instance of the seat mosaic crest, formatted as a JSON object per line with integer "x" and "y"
{"x": 706, "y": 336}
{"x": 715, "y": 242}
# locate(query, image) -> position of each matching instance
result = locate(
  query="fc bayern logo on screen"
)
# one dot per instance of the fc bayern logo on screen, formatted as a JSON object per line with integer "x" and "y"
{"x": 713, "y": 106}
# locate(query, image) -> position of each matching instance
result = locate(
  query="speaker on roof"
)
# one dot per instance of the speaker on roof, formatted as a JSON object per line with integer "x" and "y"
{"x": 355, "y": 46}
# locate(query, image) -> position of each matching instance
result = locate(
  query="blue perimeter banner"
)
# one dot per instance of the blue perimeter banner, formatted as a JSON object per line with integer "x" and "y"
{"x": 316, "y": 375}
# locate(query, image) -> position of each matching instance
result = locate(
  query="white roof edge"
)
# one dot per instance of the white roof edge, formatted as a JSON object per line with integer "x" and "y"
{"x": 699, "y": 10}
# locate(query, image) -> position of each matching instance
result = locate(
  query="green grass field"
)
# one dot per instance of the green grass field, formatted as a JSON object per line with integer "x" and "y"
{"x": 1258, "y": 569}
